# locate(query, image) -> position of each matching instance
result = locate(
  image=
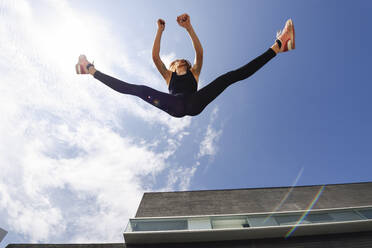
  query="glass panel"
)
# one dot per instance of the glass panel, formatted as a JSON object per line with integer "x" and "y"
{"x": 319, "y": 218}
{"x": 262, "y": 221}
{"x": 347, "y": 215}
{"x": 288, "y": 219}
{"x": 208, "y": 223}
{"x": 199, "y": 223}
{"x": 229, "y": 222}
{"x": 366, "y": 213}
{"x": 129, "y": 227}
{"x": 158, "y": 225}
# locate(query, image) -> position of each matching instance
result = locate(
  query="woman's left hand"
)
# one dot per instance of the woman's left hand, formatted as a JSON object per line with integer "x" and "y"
{"x": 184, "y": 21}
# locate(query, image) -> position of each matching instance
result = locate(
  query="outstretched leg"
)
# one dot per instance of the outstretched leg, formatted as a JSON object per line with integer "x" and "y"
{"x": 198, "y": 101}
{"x": 173, "y": 105}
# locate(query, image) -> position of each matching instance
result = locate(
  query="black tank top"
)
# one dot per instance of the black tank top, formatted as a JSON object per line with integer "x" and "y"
{"x": 182, "y": 84}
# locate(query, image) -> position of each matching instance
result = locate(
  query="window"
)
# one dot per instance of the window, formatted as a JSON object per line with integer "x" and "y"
{"x": 199, "y": 223}
{"x": 288, "y": 219}
{"x": 345, "y": 215}
{"x": 319, "y": 218}
{"x": 256, "y": 221}
{"x": 158, "y": 225}
{"x": 229, "y": 222}
{"x": 249, "y": 221}
{"x": 366, "y": 213}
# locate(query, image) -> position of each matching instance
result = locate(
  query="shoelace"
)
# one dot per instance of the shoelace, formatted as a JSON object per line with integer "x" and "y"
{"x": 278, "y": 40}
{"x": 278, "y": 33}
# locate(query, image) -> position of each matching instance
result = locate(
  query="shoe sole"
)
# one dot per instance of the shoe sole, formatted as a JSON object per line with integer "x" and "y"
{"x": 291, "y": 42}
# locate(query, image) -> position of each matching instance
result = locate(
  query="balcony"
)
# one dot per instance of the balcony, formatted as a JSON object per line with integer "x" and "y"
{"x": 247, "y": 226}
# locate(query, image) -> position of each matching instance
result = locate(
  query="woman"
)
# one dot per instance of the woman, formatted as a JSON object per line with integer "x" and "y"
{"x": 182, "y": 77}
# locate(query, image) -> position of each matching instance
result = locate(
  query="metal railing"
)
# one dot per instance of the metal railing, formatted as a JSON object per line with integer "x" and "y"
{"x": 248, "y": 220}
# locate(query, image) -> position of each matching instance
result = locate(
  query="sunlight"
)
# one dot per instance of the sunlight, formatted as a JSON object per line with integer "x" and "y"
{"x": 68, "y": 39}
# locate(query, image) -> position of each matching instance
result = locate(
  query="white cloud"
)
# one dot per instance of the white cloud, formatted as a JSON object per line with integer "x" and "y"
{"x": 67, "y": 174}
{"x": 107, "y": 169}
{"x": 38, "y": 220}
{"x": 180, "y": 178}
{"x": 208, "y": 146}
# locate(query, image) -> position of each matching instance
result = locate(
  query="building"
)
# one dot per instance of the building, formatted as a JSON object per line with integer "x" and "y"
{"x": 338, "y": 215}
{"x": 2, "y": 234}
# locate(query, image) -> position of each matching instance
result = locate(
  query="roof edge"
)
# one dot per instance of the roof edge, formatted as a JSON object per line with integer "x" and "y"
{"x": 279, "y": 187}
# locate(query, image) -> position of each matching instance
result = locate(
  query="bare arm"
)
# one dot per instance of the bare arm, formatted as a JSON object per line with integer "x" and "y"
{"x": 184, "y": 21}
{"x": 156, "y": 50}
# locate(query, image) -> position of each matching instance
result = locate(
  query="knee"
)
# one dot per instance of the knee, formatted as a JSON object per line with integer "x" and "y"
{"x": 145, "y": 93}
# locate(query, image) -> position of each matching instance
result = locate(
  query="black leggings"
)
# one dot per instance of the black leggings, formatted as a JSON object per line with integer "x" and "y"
{"x": 192, "y": 104}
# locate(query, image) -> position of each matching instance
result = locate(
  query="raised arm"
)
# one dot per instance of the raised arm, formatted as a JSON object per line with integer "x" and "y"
{"x": 184, "y": 21}
{"x": 156, "y": 50}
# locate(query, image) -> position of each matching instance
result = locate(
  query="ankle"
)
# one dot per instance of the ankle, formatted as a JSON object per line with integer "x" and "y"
{"x": 92, "y": 70}
{"x": 275, "y": 48}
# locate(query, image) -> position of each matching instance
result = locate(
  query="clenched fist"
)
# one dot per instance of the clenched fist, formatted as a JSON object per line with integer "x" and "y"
{"x": 161, "y": 24}
{"x": 184, "y": 21}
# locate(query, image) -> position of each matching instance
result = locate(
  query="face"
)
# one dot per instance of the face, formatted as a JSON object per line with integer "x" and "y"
{"x": 179, "y": 63}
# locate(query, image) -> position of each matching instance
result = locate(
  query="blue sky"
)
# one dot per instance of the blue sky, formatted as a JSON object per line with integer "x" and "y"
{"x": 76, "y": 156}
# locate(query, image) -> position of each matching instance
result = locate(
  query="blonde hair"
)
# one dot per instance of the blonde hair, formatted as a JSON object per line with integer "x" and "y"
{"x": 171, "y": 65}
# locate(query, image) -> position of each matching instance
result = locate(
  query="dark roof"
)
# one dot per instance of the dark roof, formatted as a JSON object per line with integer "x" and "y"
{"x": 344, "y": 240}
{"x": 253, "y": 200}
{"x": 348, "y": 240}
{"x": 117, "y": 245}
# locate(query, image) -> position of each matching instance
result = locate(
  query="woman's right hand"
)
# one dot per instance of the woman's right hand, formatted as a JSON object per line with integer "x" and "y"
{"x": 161, "y": 24}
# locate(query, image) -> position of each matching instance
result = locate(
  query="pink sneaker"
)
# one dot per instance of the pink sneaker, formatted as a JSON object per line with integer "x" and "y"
{"x": 287, "y": 37}
{"x": 81, "y": 66}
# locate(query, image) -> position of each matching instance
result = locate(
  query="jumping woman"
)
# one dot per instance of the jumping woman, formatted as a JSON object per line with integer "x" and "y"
{"x": 182, "y": 78}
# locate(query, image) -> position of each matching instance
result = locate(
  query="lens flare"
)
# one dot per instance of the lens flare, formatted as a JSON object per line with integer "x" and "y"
{"x": 311, "y": 205}
{"x": 286, "y": 196}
